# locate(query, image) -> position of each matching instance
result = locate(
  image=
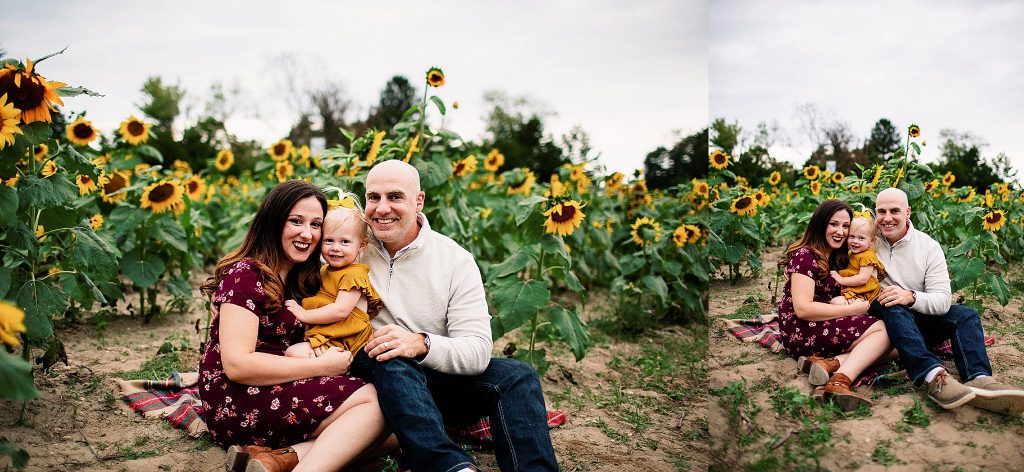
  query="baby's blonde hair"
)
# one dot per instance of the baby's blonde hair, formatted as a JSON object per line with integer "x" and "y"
{"x": 346, "y": 207}
{"x": 864, "y": 218}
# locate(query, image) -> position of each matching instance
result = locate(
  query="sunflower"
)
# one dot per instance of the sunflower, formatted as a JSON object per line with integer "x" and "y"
{"x": 914, "y": 131}
{"x": 435, "y": 77}
{"x": 521, "y": 181}
{"x": 86, "y": 184}
{"x": 948, "y": 179}
{"x": 284, "y": 169}
{"x": 932, "y": 185}
{"x": 281, "y": 150}
{"x": 100, "y": 161}
{"x": 993, "y": 220}
{"x": 81, "y": 132}
{"x": 990, "y": 200}
{"x": 195, "y": 187}
{"x": 8, "y": 122}
{"x": 305, "y": 152}
{"x": 11, "y": 182}
{"x": 30, "y": 92}
{"x": 96, "y": 221}
{"x": 371, "y": 155}
{"x": 412, "y": 148}
{"x": 161, "y": 196}
{"x": 761, "y": 198}
{"x": 485, "y": 212}
{"x": 718, "y": 159}
{"x": 494, "y": 160}
{"x": 41, "y": 151}
{"x": 643, "y": 227}
{"x": 455, "y": 104}
{"x": 41, "y": 233}
{"x": 49, "y": 168}
{"x": 969, "y": 197}
{"x": 181, "y": 167}
{"x": 613, "y": 183}
{"x": 686, "y": 234}
{"x": 563, "y": 217}
{"x": 464, "y": 166}
{"x": 878, "y": 175}
{"x": 701, "y": 188}
{"x": 775, "y": 178}
{"x": 115, "y": 182}
{"x": 742, "y": 182}
{"x": 225, "y": 158}
{"x": 816, "y": 187}
{"x": 12, "y": 322}
{"x": 744, "y": 205}
{"x": 812, "y": 172}
{"x": 134, "y": 131}
{"x": 838, "y": 177}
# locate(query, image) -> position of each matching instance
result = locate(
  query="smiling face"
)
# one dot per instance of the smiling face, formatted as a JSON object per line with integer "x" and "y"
{"x": 837, "y": 230}
{"x": 343, "y": 240}
{"x": 892, "y": 213}
{"x": 301, "y": 230}
{"x": 393, "y": 198}
{"x": 862, "y": 235}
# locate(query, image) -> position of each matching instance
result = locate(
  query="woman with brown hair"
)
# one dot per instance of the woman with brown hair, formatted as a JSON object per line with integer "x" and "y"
{"x": 834, "y": 343}
{"x": 254, "y": 398}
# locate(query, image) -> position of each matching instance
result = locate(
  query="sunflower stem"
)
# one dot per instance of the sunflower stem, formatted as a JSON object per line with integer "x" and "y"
{"x": 423, "y": 113}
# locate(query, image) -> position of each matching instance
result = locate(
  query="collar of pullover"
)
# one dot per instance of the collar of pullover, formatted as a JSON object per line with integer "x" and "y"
{"x": 421, "y": 220}
{"x": 906, "y": 237}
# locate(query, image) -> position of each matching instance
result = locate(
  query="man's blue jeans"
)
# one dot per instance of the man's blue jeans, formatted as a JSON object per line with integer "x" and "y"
{"x": 911, "y": 333}
{"x": 417, "y": 402}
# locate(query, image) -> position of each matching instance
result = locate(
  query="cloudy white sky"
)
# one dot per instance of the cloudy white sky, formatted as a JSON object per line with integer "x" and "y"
{"x": 941, "y": 64}
{"x": 632, "y": 74}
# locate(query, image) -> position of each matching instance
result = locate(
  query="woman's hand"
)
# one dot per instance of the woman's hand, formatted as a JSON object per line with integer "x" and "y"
{"x": 335, "y": 361}
{"x": 296, "y": 309}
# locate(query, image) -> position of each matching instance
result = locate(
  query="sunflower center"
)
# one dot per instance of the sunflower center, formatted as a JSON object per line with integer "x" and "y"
{"x": 568, "y": 211}
{"x": 28, "y": 96}
{"x": 136, "y": 128}
{"x": 279, "y": 149}
{"x": 193, "y": 186}
{"x": 116, "y": 183}
{"x": 460, "y": 167}
{"x": 86, "y": 180}
{"x": 82, "y": 131}
{"x": 743, "y": 203}
{"x": 161, "y": 193}
{"x": 994, "y": 218}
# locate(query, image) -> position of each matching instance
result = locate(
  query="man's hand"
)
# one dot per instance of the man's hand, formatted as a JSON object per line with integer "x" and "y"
{"x": 393, "y": 341}
{"x": 296, "y": 309}
{"x": 893, "y": 295}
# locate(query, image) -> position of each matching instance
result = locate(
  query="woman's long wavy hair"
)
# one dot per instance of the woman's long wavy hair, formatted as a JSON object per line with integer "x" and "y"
{"x": 262, "y": 246}
{"x": 814, "y": 238}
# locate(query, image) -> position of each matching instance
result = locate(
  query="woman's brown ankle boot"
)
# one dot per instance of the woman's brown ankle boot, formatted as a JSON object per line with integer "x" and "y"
{"x": 818, "y": 369}
{"x": 238, "y": 456}
{"x": 277, "y": 460}
{"x": 838, "y": 388}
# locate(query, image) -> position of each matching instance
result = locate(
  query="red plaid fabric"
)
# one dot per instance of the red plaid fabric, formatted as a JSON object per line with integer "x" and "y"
{"x": 177, "y": 400}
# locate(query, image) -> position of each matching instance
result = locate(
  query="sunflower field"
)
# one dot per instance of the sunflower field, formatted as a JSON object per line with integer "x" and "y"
{"x": 91, "y": 217}
{"x": 980, "y": 230}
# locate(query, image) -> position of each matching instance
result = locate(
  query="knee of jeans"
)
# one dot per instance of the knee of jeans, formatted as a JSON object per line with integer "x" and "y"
{"x": 964, "y": 313}
{"x": 398, "y": 366}
{"x": 514, "y": 371}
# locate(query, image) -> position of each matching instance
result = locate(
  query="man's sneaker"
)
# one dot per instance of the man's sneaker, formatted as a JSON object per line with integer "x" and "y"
{"x": 947, "y": 392}
{"x": 998, "y": 397}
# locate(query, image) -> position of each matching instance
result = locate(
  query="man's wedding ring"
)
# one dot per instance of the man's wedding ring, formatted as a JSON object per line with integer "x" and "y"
{"x": 386, "y": 346}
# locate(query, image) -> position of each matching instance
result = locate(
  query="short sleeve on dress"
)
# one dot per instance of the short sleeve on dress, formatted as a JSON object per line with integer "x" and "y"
{"x": 242, "y": 285}
{"x": 866, "y": 258}
{"x": 357, "y": 276}
{"x": 802, "y": 262}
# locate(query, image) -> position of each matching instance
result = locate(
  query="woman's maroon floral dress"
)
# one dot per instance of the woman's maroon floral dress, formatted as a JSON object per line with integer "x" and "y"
{"x": 816, "y": 338}
{"x": 272, "y": 415}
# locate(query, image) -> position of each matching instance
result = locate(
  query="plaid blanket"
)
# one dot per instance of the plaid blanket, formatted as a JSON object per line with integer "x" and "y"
{"x": 177, "y": 400}
{"x": 764, "y": 330}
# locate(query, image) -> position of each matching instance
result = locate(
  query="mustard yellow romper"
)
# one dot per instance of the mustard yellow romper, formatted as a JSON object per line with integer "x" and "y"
{"x": 353, "y": 332}
{"x": 870, "y": 290}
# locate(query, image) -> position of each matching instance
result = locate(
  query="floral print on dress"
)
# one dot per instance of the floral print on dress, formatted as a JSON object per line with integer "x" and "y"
{"x": 251, "y": 415}
{"x": 816, "y": 338}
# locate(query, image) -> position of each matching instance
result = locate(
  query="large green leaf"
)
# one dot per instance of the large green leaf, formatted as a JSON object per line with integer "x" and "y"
{"x": 440, "y": 105}
{"x": 965, "y": 271}
{"x": 518, "y": 301}
{"x": 999, "y": 288}
{"x": 58, "y": 217}
{"x": 34, "y": 133}
{"x": 525, "y": 208}
{"x": 572, "y": 330}
{"x": 434, "y": 172}
{"x": 76, "y": 91}
{"x": 538, "y": 358}
{"x": 143, "y": 271}
{"x": 631, "y": 263}
{"x": 76, "y": 163}
{"x": 657, "y": 285}
{"x": 39, "y": 192}
{"x": 552, "y": 243}
{"x": 515, "y": 263}
{"x": 5, "y": 281}
{"x": 91, "y": 254}
{"x": 124, "y": 219}
{"x": 8, "y": 206}
{"x": 573, "y": 282}
{"x": 40, "y": 302}
{"x": 15, "y": 378}
{"x": 169, "y": 231}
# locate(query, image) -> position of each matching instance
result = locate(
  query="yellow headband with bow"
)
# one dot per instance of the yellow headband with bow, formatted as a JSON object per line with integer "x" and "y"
{"x": 347, "y": 202}
{"x": 864, "y": 214}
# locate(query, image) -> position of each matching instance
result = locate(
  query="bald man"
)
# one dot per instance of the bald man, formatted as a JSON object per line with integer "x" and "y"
{"x": 915, "y": 306}
{"x": 430, "y": 354}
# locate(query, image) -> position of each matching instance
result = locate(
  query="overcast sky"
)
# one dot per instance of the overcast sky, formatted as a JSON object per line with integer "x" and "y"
{"x": 632, "y": 74}
{"x": 941, "y": 64}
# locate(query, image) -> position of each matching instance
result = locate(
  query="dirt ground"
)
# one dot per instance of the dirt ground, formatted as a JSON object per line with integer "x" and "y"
{"x": 902, "y": 431}
{"x": 633, "y": 404}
